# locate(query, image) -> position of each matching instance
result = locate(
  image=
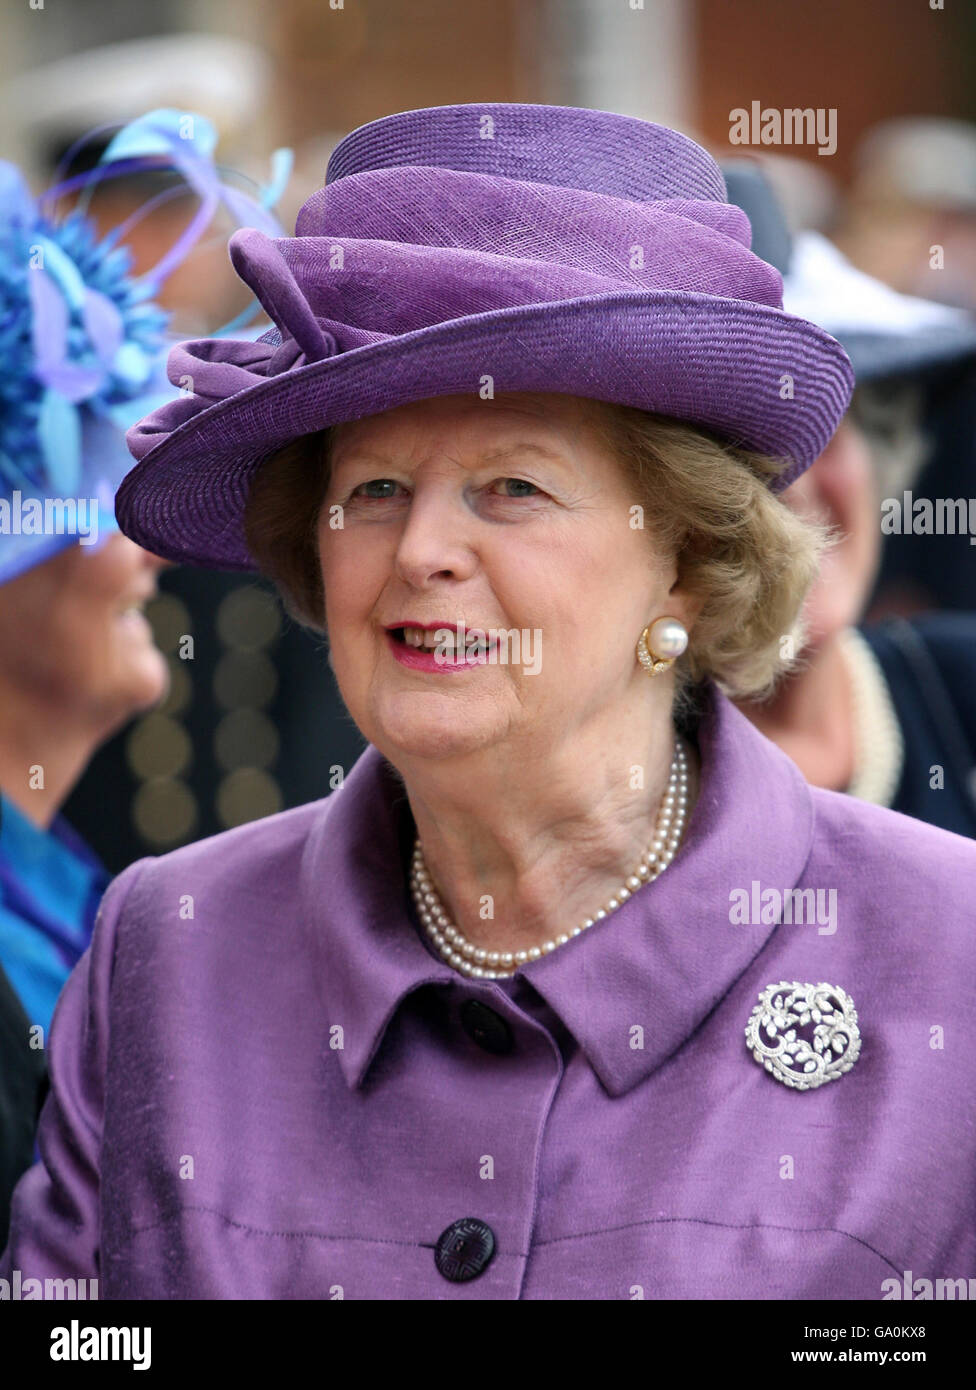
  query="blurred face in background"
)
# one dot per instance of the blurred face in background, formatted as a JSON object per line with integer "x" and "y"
{"x": 199, "y": 292}
{"x": 74, "y": 641}
{"x": 840, "y": 492}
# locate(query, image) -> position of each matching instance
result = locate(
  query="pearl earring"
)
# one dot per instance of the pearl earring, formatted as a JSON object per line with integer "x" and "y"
{"x": 661, "y": 643}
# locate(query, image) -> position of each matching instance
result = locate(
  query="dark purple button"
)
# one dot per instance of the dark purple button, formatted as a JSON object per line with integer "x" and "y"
{"x": 486, "y": 1028}
{"x": 464, "y": 1250}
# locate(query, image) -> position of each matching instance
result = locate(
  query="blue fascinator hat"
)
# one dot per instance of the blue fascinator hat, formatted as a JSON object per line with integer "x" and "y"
{"x": 83, "y": 345}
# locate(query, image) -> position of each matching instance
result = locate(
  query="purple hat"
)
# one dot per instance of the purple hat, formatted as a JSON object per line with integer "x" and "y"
{"x": 547, "y": 248}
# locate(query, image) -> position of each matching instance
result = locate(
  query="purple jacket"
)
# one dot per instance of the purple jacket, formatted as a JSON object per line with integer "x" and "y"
{"x": 286, "y": 1095}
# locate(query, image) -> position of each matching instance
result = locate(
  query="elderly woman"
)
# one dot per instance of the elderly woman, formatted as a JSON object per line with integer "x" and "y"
{"x": 485, "y": 1023}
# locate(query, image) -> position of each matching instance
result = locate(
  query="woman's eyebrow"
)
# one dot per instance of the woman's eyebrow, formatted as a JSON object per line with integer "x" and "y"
{"x": 504, "y": 451}
{"x": 355, "y": 455}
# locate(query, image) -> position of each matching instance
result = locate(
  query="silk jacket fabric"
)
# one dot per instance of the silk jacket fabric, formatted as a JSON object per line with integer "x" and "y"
{"x": 274, "y": 1097}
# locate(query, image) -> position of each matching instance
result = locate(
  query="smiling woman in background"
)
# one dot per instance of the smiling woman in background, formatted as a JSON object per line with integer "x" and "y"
{"x": 83, "y": 349}
{"x": 77, "y": 658}
{"x": 484, "y": 1023}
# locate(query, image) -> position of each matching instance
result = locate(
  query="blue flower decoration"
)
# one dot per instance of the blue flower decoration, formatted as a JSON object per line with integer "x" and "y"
{"x": 83, "y": 346}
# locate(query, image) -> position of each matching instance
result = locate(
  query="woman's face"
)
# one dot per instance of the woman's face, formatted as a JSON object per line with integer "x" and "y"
{"x": 507, "y": 514}
{"x": 72, "y": 638}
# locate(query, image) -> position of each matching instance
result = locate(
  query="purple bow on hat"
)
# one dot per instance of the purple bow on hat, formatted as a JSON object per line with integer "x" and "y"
{"x": 548, "y": 248}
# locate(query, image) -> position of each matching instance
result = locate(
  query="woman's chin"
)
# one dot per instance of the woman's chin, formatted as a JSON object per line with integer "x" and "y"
{"x": 415, "y": 728}
{"x": 143, "y": 682}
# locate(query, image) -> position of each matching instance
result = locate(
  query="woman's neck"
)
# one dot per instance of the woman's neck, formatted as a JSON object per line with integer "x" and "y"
{"x": 42, "y": 756}
{"x": 811, "y": 717}
{"x": 524, "y": 848}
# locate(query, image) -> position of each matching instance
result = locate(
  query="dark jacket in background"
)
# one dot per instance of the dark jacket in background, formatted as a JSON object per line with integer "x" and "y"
{"x": 23, "y": 1086}
{"x": 930, "y": 666}
{"x": 937, "y": 571}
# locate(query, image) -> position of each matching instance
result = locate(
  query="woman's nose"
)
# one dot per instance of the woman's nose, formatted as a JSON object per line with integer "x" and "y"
{"x": 435, "y": 539}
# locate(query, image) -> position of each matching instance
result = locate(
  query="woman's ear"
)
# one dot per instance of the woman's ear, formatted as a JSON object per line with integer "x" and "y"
{"x": 684, "y": 602}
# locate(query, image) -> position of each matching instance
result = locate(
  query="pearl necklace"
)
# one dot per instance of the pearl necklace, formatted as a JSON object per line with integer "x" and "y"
{"x": 480, "y": 964}
{"x": 879, "y": 749}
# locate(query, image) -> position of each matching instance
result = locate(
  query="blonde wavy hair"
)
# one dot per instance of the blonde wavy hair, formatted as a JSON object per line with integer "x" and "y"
{"x": 739, "y": 548}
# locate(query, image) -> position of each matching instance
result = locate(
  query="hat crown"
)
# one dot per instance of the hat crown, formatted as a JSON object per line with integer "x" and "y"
{"x": 473, "y": 209}
{"x": 563, "y": 146}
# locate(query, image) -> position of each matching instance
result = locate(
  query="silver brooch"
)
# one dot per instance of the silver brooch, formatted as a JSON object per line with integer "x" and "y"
{"x": 804, "y": 1034}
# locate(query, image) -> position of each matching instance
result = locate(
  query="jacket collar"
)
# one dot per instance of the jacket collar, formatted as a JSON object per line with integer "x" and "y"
{"x": 662, "y": 961}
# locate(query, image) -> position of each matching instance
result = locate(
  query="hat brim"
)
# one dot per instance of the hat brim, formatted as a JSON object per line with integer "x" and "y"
{"x": 758, "y": 377}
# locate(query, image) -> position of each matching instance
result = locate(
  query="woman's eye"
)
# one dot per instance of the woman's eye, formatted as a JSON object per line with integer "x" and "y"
{"x": 366, "y": 489}
{"x": 519, "y": 484}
